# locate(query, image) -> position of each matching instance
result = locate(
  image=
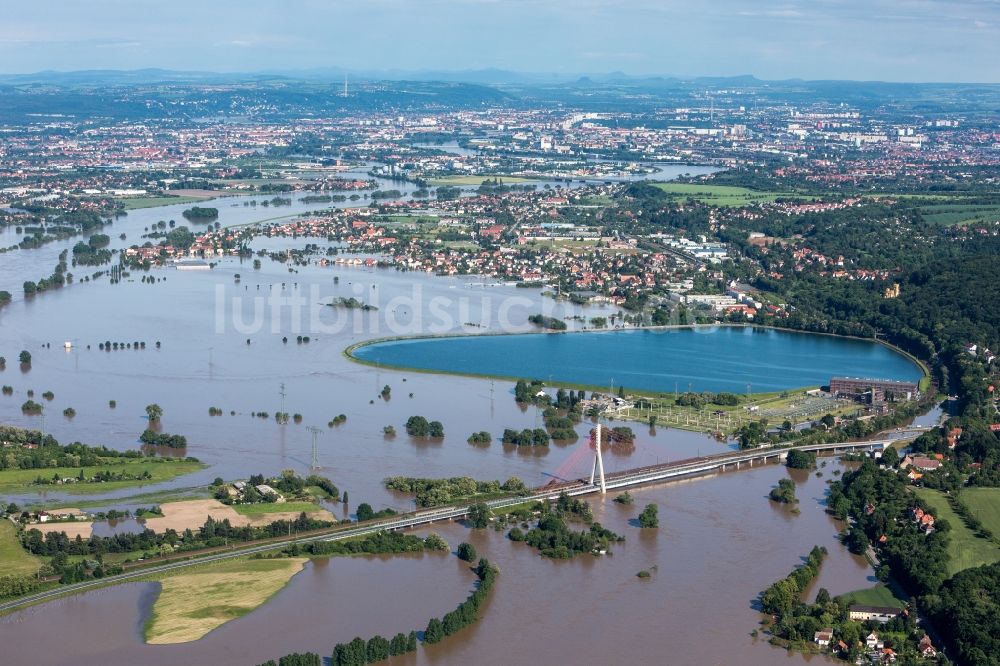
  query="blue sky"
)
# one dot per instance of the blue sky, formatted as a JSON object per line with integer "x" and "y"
{"x": 901, "y": 40}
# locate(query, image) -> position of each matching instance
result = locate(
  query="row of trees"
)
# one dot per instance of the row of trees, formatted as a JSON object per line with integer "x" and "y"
{"x": 211, "y": 533}
{"x": 783, "y": 596}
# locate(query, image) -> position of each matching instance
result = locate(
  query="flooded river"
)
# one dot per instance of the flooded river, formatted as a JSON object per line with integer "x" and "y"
{"x": 720, "y": 544}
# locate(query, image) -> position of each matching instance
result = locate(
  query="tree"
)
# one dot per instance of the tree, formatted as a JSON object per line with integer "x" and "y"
{"x": 467, "y": 552}
{"x": 377, "y": 649}
{"x": 890, "y": 457}
{"x": 25, "y": 358}
{"x": 435, "y": 542}
{"x": 154, "y": 412}
{"x": 479, "y": 515}
{"x": 434, "y": 631}
{"x": 354, "y": 653}
{"x": 649, "y": 518}
{"x": 800, "y": 459}
{"x": 397, "y": 645}
{"x": 751, "y": 434}
{"x": 365, "y": 512}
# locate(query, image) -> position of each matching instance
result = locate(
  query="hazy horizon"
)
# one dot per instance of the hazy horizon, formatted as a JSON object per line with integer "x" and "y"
{"x": 875, "y": 40}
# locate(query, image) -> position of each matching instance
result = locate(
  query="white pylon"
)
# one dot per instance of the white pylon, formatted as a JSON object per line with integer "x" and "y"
{"x": 598, "y": 462}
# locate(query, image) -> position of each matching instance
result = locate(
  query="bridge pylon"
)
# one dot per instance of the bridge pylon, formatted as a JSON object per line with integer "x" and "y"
{"x": 598, "y": 467}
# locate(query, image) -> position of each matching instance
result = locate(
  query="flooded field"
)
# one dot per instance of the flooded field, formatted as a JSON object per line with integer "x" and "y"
{"x": 720, "y": 542}
{"x": 223, "y": 344}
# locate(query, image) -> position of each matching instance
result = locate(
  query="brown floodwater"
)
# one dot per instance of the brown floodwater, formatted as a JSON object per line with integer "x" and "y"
{"x": 720, "y": 542}
{"x": 330, "y": 601}
{"x": 203, "y": 363}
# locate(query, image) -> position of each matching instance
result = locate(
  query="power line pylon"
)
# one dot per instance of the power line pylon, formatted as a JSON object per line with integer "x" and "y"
{"x": 315, "y": 449}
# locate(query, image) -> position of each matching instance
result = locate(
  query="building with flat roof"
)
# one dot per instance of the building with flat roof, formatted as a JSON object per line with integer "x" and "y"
{"x": 857, "y": 386}
{"x": 883, "y": 614}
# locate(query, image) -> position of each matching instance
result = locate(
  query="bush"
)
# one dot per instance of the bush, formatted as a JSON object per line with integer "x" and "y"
{"x": 467, "y": 552}
{"x": 649, "y": 517}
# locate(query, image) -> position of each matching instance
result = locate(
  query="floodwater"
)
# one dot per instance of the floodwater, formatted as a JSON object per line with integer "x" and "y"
{"x": 720, "y": 543}
{"x": 699, "y": 359}
{"x": 330, "y": 601}
{"x": 205, "y": 361}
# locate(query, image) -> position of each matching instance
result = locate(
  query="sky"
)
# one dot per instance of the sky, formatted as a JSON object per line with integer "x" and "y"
{"x": 889, "y": 40}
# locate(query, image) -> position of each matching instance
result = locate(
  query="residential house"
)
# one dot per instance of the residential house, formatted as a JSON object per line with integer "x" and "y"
{"x": 823, "y": 638}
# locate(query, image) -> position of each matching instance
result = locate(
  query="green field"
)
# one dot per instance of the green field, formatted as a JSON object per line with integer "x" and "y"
{"x": 457, "y": 181}
{"x": 984, "y": 504}
{"x": 723, "y": 195}
{"x": 14, "y": 560}
{"x": 21, "y": 480}
{"x": 965, "y": 549}
{"x": 952, "y": 214}
{"x": 203, "y": 598}
{"x": 152, "y": 202}
{"x": 880, "y": 595}
{"x": 274, "y": 507}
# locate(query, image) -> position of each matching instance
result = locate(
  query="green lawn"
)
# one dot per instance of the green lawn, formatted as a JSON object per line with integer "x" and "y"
{"x": 152, "y": 202}
{"x": 723, "y": 195}
{"x": 21, "y": 480}
{"x": 965, "y": 549}
{"x": 267, "y": 507}
{"x": 984, "y": 504}
{"x": 14, "y": 560}
{"x": 880, "y": 595}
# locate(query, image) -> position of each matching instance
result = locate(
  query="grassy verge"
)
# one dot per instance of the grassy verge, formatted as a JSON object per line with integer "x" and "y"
{"x": 269, "y": 507}
{"x": 15, "y": 560}
{"x": 965, "y": 549}
{"x": 880, "y": 595}
{"x": 201, "y": 599}
{"x": 984, "y": 504}
{"x": 22, "y": 480}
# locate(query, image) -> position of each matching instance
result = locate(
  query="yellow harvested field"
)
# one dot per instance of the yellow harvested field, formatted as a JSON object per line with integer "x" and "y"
{"x": 80, "y": 528}
{"x": 192, "y": 514}
{"x": 194, "y": 603}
